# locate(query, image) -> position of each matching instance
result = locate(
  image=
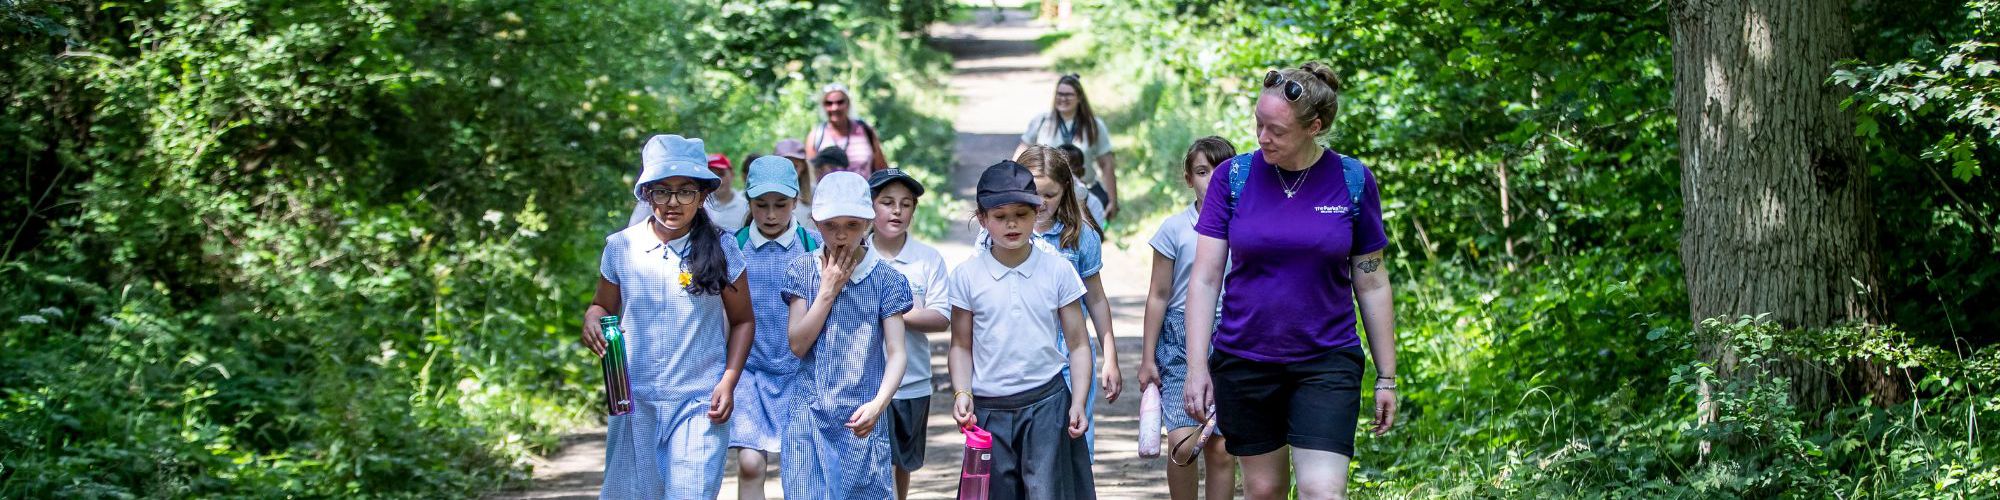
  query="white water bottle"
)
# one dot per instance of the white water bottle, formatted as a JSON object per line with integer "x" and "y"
{"x": 1149, "y": 422}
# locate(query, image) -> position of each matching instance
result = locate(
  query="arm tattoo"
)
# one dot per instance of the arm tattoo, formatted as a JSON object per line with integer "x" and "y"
{"x": 1370, "y": 265}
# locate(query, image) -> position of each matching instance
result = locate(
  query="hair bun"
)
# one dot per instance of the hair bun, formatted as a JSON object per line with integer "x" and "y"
{"x": 1324, "y": 73}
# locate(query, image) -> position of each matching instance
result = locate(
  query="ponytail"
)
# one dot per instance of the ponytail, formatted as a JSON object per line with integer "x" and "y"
{"x": 706, "y": 260}
{"x": 1050, "y": 162}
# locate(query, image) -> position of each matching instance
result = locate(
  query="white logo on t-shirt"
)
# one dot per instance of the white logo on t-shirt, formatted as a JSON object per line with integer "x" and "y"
{"x": 1331, "y": 209}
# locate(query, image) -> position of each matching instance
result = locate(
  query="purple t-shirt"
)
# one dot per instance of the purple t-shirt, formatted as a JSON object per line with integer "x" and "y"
{"x": 1291, "y": 297}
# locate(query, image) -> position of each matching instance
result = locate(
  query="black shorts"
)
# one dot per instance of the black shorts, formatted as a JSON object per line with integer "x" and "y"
{"x": 1312, "y": 404}
{"x": 907, "y": 418}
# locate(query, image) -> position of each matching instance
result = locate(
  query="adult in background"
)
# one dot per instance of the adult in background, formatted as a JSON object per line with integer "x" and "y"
{"x": 1070, "y": 121}
{"x": 1301, "y": 229}
{"x": 860, "y": 142}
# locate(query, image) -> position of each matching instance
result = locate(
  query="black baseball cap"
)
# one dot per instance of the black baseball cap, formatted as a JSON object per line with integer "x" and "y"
{"x": 832, "y": 156}
{"x": 1007, "y": 183}
{"x": 885, "y": 176}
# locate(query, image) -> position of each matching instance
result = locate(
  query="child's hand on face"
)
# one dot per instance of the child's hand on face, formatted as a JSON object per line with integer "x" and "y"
{"x": 835, "y": 267}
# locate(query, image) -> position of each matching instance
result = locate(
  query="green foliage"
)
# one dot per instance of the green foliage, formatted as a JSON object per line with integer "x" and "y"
{"x": 1925, "y": 98}
{"x": 319, "y": 248}
{"x": 1543, "y": 350}
{"x": 1568, "y": 105}
{"x": 1954, "y": 85}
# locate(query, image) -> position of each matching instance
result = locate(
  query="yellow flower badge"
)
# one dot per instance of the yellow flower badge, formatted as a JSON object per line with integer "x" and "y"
{"x": 687, "y": 278}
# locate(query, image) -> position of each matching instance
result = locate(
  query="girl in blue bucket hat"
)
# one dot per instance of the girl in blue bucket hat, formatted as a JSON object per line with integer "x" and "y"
{"x": 685, "y": 307}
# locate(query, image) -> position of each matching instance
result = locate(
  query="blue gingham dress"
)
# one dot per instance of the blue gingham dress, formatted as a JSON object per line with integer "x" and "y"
{"x": 844, "y": 369}
{"x": 1088, "y": 259}
{"x": 678, "y": 346}
{"x": 763, "y": 394}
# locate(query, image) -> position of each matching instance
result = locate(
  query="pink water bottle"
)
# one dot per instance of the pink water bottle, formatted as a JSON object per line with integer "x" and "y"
{"x": 1149, "y": 422}
{"x": 976, "y": 471}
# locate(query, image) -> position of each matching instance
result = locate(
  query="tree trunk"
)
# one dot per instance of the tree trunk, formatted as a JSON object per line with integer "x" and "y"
{"x": 1777, "y": 216}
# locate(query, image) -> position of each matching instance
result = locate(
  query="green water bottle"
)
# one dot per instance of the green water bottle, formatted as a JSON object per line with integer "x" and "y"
{"x": 617, "y": 387}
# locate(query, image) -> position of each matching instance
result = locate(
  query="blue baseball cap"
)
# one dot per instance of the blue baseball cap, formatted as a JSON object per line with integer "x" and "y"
{"x": 666, "y": 156}
{"x": 772, "y": 174}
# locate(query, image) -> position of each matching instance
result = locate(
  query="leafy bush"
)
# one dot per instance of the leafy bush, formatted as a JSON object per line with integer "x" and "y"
{"x": 323, "y": 248}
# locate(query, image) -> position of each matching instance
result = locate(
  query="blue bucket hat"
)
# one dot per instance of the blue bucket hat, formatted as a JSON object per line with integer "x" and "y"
{"x": 667, "y": 156}
{"x": 772, "y": 174}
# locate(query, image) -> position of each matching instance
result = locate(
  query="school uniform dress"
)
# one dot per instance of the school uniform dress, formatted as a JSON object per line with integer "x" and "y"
{"x": 1176, "y": 241}
{"x": 1087, "y": 259}
{"x": 1018, "y": 390}
{"x": 678, "y": 344}
{"x": 764, "y": 392}
{"x": 925, "y": 269}
{"x": 844, "y": 369}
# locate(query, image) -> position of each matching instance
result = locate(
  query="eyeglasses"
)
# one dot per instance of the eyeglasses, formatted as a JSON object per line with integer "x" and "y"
{"x": 668, "y": 196}
{"x": 831, "y": 103}
{"x": 1293, "y": 90}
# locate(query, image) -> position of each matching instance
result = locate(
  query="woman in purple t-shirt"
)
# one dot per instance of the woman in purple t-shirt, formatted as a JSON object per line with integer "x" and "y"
{"x": 1296, "y": 241}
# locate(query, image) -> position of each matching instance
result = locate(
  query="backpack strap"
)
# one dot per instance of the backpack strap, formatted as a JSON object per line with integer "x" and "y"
{"x": 1357, "y": 181}
{"x": 1239, "y": 175}
{"x": 1351, "y": 168}
{"x": 806, "y": 238}
{"x": 743, "y": 238}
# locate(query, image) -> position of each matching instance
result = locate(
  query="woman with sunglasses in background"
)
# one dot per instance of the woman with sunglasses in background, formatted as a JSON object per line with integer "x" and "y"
{"x": 860, "y": 141}
{"x": 1299, "y": 228}
{"x": 1070, "y": 121}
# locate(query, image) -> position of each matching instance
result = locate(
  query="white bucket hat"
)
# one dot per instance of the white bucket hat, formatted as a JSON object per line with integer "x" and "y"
{"x": 841, "y": 194}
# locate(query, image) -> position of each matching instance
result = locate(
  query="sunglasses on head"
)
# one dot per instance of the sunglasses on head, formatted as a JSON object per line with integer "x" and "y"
{"x": 1293, "y": 90}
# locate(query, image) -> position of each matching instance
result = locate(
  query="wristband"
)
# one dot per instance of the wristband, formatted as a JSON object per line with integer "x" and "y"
{"x": 956, "y": 394}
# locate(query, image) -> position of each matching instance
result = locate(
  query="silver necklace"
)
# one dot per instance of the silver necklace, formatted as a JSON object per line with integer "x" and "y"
{"x": 1294, "y": 188}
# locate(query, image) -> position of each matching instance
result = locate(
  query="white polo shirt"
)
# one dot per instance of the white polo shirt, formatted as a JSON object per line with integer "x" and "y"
{"x": 924, "y": 267}
{"x": 1014, "y": 319}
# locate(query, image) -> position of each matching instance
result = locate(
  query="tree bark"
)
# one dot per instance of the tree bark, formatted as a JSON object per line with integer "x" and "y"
{"x": 1778, "y": 217}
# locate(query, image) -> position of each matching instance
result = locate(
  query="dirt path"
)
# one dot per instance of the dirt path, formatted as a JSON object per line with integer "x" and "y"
{"x": 1001, "y": 80}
